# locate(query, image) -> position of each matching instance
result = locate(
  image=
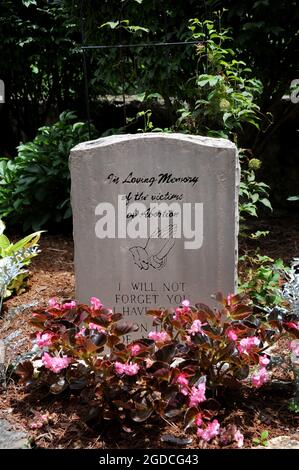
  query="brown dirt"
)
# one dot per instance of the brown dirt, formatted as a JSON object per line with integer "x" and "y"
{"x": 51, "y": 275}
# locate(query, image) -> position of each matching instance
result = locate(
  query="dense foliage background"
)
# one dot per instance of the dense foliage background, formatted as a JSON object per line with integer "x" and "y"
{"x": 42, "y": 65}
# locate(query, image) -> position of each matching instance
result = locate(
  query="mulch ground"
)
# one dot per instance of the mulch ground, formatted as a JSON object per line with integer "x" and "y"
{"x": 52, "y": 275}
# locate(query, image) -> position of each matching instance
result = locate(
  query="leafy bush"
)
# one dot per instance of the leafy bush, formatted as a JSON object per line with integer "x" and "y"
{"x": 225, "y": 102}
{"x": 226, "y": 91}
{"x": 14, "y": 258}
{"x": 35, "y": 186}
{"x": 262, "y": 279}
{"x": 252, "y": 194}
{"x": 175, "y": 373}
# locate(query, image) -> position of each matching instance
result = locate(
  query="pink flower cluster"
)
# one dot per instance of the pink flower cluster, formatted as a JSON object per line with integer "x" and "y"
{"x": 210, "y": 431}
{"x": 53, "y": 303}
{"x": 161, "y": 337}
{"x": 96, "y": 303}
{"x": 66, "y": 306}
{"x": 40, "y": 421}
{"x": 264, "y": 360}
{"x": 231, "y": 434}
{"x": 181, "y": 310}
{"x": 294, "y": 347}
{"x": 183, "y": 382}
{"x": 231, "y": 334}
{"x": 55, "y": 364}
{"x": 196, "y": 328}
{"x": 135, "y": 349}
{"x": 198, "y": 394}
{"x": 207, "y": 432}
{"x": 261, "y": 376}
{"x": 127, "y": 369}
{"x": 91, "y": 326}
{"x": 44, "y": 340}
{"x": 239, "y": 438}
{"x": 246, "y": 345}
{"x": 95, "y": 326}
{"x": 69, "y": 305}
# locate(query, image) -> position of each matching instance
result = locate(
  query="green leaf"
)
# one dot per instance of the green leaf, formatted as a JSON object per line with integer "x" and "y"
{"x": 264, "y": 435}
{"x": 34, "y": 68}
{"x": 4, "y": 242}
{"x": 2, "y": 226}
{"x": 226, "y": 116}
{"x": 27, "y": 3}
{"x": 141, "y": 414}
{"x": 110, "y": 24}
{"x": 189, "y": 417}
{"x": 266, "y": 203}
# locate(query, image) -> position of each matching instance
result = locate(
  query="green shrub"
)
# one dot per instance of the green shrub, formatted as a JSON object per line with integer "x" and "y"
{"x": 174, "y": 374}
{"x": 223, "y": 98}
{"x": 262, "y": 278}
{"x": 35, "y": 186}
{"x": 14, "y": 258}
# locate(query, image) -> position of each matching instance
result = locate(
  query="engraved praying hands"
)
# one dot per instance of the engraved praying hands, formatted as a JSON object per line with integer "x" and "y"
{"x": 154, "y": 253}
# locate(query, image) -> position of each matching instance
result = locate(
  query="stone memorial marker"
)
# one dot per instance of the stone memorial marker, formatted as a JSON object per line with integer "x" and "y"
{"x": 155, "y": 221}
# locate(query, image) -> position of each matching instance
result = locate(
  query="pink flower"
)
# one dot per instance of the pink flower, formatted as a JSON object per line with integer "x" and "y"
{"x": 127, "y": 369}
{"x": 259, "y": 378}
{"x": 178, "y": 313}
{"x": 196, "y": 328}
{"x": 229, "y": 300}
{"x": 198, "y": 420}
{"x": 183, "y": 383}
{"x": 161, "y": 337}
{"x": 36, "y": 425}
{"x": 69, "y": 305}
{"x": 239, "y": 438}
{"x": 197, "y": 394}
{"x": 231, "y": 434}
{"x": 181, "y": 310}
{"x": 264, "y": 360}
{"x": 95, "y": 326}
{"x": 231, "y": 334}
{"x": 96, "y": 303}
{"x": 55, "y": 364}
{"x": 246, "y": 345}
{"x": 294, "y": 347}
{"x": 181, "y": 379}
{"x": 211, "y": 431}
{"x": 135, "y": 349}
{"x": 53, "y": 303}
{"x": 39, "y": 423}
{"x": 119, "y": 367}
{"x": 44, "y": 339}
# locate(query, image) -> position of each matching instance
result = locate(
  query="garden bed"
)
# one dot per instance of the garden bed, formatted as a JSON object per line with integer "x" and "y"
{"x": 252, "y": 411}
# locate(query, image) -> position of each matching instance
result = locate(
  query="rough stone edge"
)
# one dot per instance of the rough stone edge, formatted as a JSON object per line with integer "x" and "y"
{"x": 121, "y": 138}
{"x": 2, "y": 364}
{"x": 237, "y": 214}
